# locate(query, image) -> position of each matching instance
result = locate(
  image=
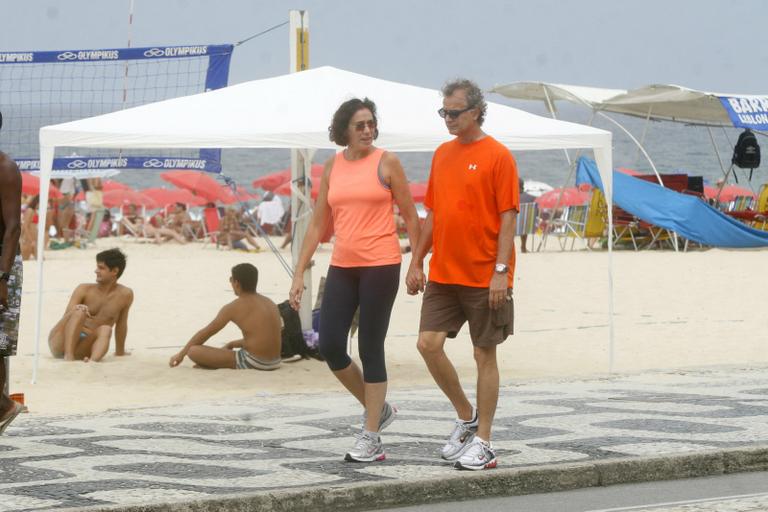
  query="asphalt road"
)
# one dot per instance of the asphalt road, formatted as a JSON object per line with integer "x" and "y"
{"x": 742, "y": 492}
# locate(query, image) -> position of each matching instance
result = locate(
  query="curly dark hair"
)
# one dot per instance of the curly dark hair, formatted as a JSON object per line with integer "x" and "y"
{"x": 337, "y": 132}
{"x": 474, "y": 95}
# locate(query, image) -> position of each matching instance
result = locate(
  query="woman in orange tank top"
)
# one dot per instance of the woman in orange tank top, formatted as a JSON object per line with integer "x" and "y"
{"x": 357, "y": 189}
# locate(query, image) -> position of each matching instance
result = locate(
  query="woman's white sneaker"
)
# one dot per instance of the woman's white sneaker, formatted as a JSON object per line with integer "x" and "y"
{"x": 368, "y": 448}
{"x": 478, "y": 455}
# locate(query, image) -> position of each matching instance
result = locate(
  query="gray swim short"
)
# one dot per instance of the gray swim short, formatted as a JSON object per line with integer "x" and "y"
{"x": 245, "y": 361}
{"x": 9, "y": 319}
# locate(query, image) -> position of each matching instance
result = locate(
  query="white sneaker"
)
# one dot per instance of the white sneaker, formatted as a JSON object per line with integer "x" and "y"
{"x": 462, "y": 435}
{"x": 388, "y": 413}
{"x": 368, "y": 448}
{"x": 478, "y": 455}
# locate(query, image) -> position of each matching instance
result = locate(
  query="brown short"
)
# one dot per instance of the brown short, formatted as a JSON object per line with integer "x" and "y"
{"x": 446, "y": 307}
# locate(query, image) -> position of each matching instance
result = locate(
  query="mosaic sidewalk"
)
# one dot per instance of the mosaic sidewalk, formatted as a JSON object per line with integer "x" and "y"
{"x": 272, "y": 442}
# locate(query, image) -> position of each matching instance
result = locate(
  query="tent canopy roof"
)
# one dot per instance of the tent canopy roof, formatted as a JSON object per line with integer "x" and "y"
{"x": 657, "y": 101}
{"x": 589, "y": 96}
{"x": 294, "y": 111}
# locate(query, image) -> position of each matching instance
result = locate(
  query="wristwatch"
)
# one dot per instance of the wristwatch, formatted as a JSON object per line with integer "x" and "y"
{"x": 5, "y": 276}
{"x": 501, "y": 268}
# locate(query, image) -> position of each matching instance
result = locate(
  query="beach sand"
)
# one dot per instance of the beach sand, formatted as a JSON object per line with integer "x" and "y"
{"x": 672, "y": 311}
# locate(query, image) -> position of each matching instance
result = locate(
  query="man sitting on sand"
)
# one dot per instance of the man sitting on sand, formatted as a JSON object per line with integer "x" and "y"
{"x": 258, "y": 319}
{"x": 84, "y": 331}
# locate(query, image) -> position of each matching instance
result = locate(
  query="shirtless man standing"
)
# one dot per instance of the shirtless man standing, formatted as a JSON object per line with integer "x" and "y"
{"x": 258, "y": 319}
{"x": 84, "y": 331}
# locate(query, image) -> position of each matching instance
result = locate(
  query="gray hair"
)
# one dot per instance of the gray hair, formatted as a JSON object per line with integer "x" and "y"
{"x": 474, "y": 94}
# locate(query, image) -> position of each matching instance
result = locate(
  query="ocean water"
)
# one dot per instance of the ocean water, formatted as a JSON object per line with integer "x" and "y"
{"x": 673, "y": 147}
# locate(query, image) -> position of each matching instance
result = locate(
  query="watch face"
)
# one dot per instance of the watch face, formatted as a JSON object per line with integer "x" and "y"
{"x": 501, "y": 268}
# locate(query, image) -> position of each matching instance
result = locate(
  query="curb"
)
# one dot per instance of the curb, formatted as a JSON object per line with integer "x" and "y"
{"x": 458, "y": 486}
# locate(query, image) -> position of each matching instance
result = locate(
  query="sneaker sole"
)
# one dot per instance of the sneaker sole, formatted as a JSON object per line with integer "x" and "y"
{"x": 489, "y": 465}
{"x": 376, "y": 458}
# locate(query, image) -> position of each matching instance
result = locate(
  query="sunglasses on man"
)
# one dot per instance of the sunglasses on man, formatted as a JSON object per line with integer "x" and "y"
{"x": 453, "y": 114}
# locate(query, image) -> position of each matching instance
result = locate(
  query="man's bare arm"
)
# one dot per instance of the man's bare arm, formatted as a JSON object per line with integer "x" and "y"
{"x": 121, "y": 327}
{"x": 222, "y": 318}
{"x": 497, "y": 292}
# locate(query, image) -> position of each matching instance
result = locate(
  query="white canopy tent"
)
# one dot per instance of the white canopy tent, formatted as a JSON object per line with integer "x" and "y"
{"x": 659, "y": 102}
{"x": 294, "y": 111}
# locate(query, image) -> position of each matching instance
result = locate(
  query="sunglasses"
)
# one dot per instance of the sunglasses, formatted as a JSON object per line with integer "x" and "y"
{"x": 453, "y": 114}
{"x": 360, "y": 125}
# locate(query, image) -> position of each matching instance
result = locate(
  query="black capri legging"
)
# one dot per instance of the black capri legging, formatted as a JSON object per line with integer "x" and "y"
{"x": 374, "y": 290}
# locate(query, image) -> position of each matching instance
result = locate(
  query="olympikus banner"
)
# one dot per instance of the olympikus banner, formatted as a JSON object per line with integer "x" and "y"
{"x": 127, "y": 162}
{"x": 216, "y": 77}
{"x": 747, "y": 111}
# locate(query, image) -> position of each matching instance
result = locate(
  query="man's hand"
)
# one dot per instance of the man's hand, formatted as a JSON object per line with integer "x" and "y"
{"x": 83, "y": 307}
{"x": 497, "y": 291}
{"x": 177, "y": 359}
{"x": 415, "y": 281}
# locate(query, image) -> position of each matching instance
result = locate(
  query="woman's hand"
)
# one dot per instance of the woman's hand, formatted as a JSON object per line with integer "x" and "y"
{"x": 297, "y": 290}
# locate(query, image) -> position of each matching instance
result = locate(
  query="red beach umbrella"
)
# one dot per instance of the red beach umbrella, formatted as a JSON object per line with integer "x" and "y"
{"x": 728, "y": 194}
{"x": 120, "y": 197}
{"x": 273, "y": 180}
{"x": 200, "y": 183}
{"x": 165, "y": 196}
{"x": 285, "y": 189}
{"x": 240, "y": 195}
{"x": 107, "y": 185}
{"x": 418, "y": 191}
{"x": 30, "y": 185}
{"x": 571, "y": 196}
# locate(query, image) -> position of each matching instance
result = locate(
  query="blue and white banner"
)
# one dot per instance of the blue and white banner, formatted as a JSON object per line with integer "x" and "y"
{"x": 94, "y": 164}
{"x": 111, "y": 54}
{"x": 747, "y": 111}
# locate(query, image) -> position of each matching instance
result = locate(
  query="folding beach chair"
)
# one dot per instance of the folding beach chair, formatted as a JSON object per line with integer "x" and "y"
{"x": 527, "y": 220}
{"x": 211, "y": 223}
{"x": 569, "y": 226}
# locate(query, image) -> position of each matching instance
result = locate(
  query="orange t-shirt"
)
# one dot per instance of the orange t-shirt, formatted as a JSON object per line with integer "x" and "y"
{"x": 470, "y": 185}
{"x": 363, "y": 216}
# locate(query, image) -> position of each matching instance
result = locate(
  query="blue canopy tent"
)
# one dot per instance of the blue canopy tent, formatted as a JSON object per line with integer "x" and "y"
{"x": 688, "y": 216}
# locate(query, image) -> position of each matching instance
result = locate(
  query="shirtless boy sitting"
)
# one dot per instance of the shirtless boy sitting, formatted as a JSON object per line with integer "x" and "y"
{"x": 258, "y": 319}
{"x": 84, "y": 331}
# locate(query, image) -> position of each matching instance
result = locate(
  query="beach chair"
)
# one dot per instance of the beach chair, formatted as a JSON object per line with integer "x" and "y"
{"x": 569, "y": 226}
{"x": 527, "y": 220}
{"x": 761, "y": 209}
{"x": 211, "y": 224}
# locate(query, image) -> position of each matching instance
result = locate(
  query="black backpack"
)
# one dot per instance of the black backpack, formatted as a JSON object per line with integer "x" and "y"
{"x": 746, "y": 152}
{"x": 292, "y": 338}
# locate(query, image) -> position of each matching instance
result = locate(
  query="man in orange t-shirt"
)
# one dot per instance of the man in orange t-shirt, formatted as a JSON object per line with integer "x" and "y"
{"x": 473, "y": 199}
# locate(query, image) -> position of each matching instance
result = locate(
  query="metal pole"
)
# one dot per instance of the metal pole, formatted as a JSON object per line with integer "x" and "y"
{"x": 298, "y": 34}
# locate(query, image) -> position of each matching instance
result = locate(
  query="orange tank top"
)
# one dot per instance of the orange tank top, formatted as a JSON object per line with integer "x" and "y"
{"x": 363, "y": 216}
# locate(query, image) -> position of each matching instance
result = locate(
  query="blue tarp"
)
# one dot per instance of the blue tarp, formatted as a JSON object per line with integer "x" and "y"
{"x": 688, "y": 216}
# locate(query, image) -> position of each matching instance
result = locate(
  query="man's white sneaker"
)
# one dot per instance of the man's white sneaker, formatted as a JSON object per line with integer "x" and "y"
{"x": 462, "y": 435}
{"x": 478, "y": 455}
{"x": 367, "y": 448}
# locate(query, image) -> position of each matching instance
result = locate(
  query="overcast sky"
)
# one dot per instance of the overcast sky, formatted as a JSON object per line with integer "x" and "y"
{"x": 705, "y": 44}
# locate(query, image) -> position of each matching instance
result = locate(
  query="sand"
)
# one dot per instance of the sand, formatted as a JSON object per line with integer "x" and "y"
{"x": 672, "y": 311}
